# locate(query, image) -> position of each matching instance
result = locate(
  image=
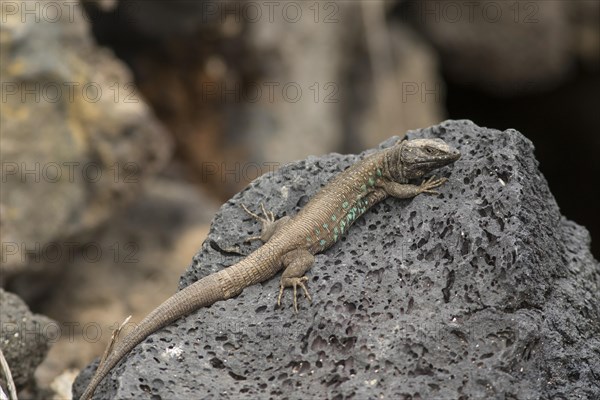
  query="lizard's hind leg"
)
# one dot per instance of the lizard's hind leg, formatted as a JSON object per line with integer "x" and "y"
{"x": 296, "y": 263}
{"x": 269, "y": 224}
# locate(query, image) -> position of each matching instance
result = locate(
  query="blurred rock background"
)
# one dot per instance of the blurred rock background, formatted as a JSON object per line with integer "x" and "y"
{"x": 125, "y": 124}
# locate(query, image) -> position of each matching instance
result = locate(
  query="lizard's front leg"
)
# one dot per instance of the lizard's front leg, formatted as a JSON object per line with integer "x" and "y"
{"x": 296, "y": 263}
{"x": 269, "y": 224}
{"x": 407, "y": 190}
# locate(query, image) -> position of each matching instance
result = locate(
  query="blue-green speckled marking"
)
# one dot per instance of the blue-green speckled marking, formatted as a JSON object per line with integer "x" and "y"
{"x": 330, "y": 232}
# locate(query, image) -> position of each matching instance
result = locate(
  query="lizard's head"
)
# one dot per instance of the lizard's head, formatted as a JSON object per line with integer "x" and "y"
{"x": 417, "y": 157}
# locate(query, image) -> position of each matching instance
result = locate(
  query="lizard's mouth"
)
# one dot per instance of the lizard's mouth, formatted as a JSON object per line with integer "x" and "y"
{"x": 433, "y": 163}
{"x": 439, "y": 162}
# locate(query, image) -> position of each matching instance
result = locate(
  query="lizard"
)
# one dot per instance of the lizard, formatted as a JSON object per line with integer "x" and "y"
{"x": 292, "y": 242}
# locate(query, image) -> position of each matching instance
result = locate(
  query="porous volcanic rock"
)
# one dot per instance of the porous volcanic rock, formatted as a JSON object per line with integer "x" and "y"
{"x": 483, "y": 291}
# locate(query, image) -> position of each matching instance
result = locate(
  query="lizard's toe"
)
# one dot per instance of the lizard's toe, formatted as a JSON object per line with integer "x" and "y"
{"x": 294, "y": 283}
{"x": 303, "y": 286}
{"x": 430, "y": 184}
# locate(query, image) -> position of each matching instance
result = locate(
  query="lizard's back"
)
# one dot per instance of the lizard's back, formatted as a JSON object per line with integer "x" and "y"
{"x": 329, "y": 214}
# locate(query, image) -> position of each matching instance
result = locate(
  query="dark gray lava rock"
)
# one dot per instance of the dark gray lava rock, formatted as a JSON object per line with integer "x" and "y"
{"x": 484, "y": 291}
{"x": 25, "y": 338}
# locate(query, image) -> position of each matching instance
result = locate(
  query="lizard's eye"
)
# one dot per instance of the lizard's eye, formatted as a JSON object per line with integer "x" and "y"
{"x": 429, "y": 150}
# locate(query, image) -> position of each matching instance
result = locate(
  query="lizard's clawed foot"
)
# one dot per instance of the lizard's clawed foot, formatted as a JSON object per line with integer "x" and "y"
{"x": 267, "y": 221}
{"x": 430, "y": 184}
{"x": 293, "y": 282}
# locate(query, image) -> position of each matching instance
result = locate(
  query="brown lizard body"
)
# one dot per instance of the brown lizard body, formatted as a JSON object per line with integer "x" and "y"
{"x": 291, "y": 243}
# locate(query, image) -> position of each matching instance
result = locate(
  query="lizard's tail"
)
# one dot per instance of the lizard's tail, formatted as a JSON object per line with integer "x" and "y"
{"x": 202, "y": 293}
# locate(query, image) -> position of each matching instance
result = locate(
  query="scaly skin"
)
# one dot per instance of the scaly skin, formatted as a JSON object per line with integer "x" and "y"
{"x": 292, "y": 242}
